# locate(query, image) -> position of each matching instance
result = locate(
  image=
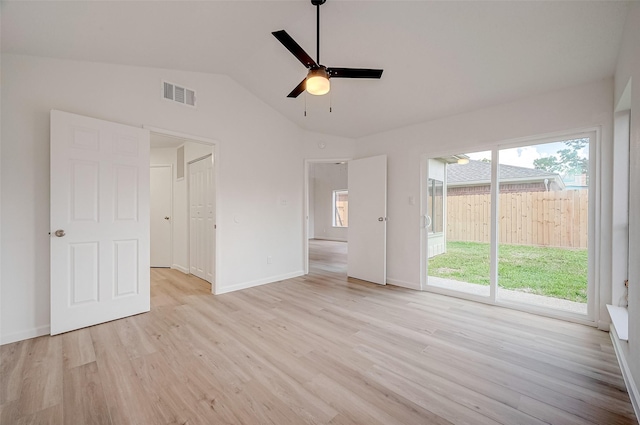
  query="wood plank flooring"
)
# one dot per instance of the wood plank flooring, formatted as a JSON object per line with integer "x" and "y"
{"x": 319, "y": 349}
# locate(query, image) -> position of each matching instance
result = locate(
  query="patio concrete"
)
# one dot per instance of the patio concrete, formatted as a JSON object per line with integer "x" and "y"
{"x": 510, "y": 295}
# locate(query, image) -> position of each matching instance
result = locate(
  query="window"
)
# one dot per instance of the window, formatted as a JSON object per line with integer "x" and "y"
{"x": 340, "y": 208}
{"x": 435, "y": 206}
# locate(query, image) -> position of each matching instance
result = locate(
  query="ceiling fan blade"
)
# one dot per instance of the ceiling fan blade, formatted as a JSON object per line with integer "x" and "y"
{"x": 354, "y": 73}
{"x": 299, "y": 89}
{"x": 294, "y": 48}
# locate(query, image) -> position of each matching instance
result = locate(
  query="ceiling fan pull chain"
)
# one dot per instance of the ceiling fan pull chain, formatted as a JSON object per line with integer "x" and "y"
{"x": 305, "y": 104}
{"x": 330, "y": 103}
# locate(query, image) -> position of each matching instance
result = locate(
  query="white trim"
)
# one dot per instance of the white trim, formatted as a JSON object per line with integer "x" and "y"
{"x": 180, "y": 135}
{"x": 305, "y": 209}
{"x": 180, "y": 268}
{"x": 27, "y": 334}
{"x": 404, "y": 284}
{"x": 217, "y": 184}
{"x": 329, "y": 239}
{"x": 200, "y": 159}
{"x": 621, "y": 355}
{"x": 251, "y": 284}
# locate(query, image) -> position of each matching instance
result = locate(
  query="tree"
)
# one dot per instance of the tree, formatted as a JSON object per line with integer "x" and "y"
{"x": 568, "y": 161}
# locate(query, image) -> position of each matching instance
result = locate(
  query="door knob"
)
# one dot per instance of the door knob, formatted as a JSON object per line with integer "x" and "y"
{"x": 380, "y": 218}
{"x": 59, "y": 233}
{"x": 166, "y": 218}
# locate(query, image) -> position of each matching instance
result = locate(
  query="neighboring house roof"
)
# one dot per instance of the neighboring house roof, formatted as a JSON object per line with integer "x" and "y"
{"x": 479, "y": 172}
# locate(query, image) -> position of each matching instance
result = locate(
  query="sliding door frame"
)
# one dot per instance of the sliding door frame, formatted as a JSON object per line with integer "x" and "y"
{"x": 594, "y": 231}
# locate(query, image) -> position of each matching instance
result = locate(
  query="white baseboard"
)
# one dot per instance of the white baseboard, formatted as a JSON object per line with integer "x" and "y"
{"x": 603, "y": 325}
{"x": 251, "y": 284}
{"x": 184, "y": 270}
{"x": 22, "y": 335}
{"x": 404, "y": 284}
{"x": 621, "y": 354}
{"x": 330, "y": 239}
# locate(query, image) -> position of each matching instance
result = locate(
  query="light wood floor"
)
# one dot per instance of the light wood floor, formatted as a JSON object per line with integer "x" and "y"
{"x": 318, "y": 349}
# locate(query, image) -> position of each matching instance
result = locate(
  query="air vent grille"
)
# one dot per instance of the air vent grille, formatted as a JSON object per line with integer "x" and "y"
{"x": 178, "y": 94}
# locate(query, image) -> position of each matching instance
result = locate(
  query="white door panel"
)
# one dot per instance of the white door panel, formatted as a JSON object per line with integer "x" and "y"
{"x": 161, "y": 215}
{"x": 100, "y": 200}
{"x": 202, "y": 218}
{"x": 367, "y": 240}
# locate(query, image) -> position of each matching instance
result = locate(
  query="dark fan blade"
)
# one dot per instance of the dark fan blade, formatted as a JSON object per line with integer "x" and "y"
{"x": 354, "y": 73}
{"x": 294, "y": 48}
{"x": 299, "y": 89}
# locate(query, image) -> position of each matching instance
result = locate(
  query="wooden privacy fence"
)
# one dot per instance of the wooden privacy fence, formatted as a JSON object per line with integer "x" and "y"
{"x": 557, "y": 218}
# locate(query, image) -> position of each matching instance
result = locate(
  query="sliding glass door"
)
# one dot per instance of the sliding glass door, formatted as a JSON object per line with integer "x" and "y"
{"x": 512, "y": 224}
{"x": 544, "y": 225}
{"x": 457, "y": 221}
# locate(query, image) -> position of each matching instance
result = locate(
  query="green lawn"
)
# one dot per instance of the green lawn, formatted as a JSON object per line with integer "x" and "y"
{"x": 552, "y": 272}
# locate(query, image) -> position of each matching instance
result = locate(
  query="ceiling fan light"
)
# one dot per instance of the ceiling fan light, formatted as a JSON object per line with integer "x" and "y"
{"x": 318, "y": 82}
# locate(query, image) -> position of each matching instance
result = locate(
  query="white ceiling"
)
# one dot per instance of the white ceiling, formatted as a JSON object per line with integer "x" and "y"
{"x": 439, "y": 58}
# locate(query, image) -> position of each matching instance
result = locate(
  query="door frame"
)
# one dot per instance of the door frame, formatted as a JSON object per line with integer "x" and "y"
{"x": 305, "y": 210}
{"x": 170, "y": 167}
{"x": 216, "y": 170}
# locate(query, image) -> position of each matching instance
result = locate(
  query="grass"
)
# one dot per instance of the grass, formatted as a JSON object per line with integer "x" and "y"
{"x": 552, "y": 272}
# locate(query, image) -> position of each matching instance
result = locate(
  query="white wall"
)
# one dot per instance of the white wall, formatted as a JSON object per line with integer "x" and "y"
{"x": 628, "y": 68}
{"x": 325, "y": 178}
{"x": 324, "y": 146}
{"x": 260, "y": 163}
{"x": 570, "y": 109}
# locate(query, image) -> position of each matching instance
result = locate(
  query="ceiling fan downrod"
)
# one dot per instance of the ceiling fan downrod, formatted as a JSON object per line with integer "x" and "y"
{"x": 317, "y": 4}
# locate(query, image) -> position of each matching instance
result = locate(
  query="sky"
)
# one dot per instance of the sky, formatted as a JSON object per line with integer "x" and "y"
{"x": 525, "y": 155}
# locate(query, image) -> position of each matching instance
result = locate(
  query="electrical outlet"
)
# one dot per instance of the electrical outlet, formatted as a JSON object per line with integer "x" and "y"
{"x": 269, "y": 259}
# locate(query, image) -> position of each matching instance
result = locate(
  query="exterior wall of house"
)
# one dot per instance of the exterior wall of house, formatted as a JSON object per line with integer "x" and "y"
{"x": 504, "y": 188}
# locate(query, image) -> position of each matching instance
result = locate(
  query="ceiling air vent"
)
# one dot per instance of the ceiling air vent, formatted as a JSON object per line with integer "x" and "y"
{"x": 178, "y": 94}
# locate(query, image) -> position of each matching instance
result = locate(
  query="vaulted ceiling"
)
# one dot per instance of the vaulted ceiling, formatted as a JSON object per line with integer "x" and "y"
{"x": 439, "y": 58}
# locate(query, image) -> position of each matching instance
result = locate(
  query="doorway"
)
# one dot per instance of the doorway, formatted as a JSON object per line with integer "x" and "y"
{"x": 326, "y": 208}
{"x": 179, "y": 150}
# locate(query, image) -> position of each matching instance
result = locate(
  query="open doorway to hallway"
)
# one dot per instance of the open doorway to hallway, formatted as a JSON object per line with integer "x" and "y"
{"x": 175, "y": 206}
{"x": 327, "y": 258}
{"x": 327, "y": 214}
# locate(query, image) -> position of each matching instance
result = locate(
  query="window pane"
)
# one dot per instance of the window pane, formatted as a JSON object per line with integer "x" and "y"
{"x": 458, "y": 247}
{"x": 340, "y": 208}
{"x": 543, "y": 227}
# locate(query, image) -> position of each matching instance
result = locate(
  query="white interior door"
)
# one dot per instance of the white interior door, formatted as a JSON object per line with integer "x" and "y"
{"x": 202, "y": 218}
{"x": 367, "y": 241}
{"x": 161, "y": 179}
{"x": 99, "y": 221}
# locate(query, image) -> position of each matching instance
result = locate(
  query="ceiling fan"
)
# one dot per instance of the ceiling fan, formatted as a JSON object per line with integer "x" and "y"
{"x": 317, "y": 80}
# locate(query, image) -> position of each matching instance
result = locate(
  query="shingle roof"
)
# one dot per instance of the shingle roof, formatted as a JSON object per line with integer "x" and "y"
{"x": 480, "y": 171}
